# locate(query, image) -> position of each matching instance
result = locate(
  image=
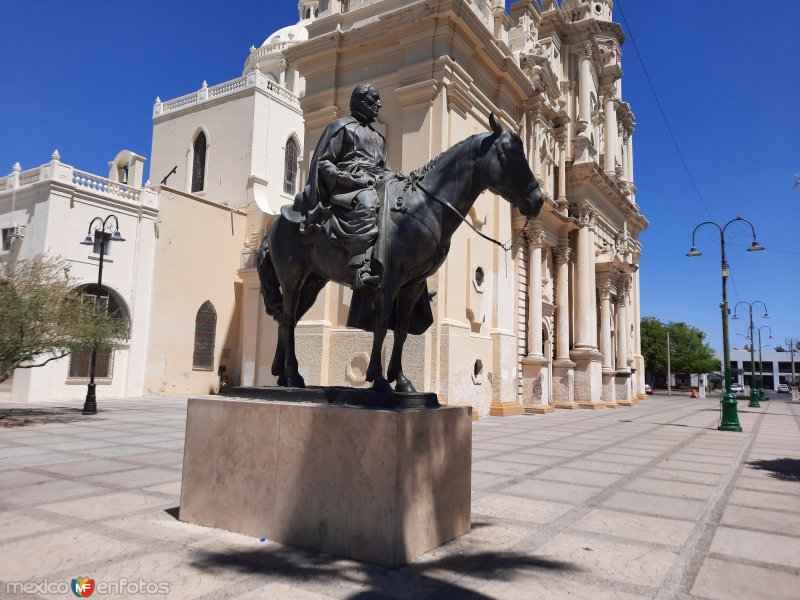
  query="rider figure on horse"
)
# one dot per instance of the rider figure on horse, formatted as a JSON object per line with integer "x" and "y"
{"x": 348, "y": 166}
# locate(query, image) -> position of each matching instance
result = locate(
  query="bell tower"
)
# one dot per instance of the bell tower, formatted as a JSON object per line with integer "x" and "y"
{"x": 602, "y": 10}
{"x": 308, "y": 9}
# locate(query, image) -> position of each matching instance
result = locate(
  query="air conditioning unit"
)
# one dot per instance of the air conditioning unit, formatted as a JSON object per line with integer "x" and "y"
{"x": 16, "y": 232}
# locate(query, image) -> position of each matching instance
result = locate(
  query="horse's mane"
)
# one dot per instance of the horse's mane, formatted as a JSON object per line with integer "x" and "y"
{"x": 420, "y": 173}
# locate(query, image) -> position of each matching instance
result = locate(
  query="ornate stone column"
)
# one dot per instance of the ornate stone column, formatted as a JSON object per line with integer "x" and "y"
{"x": 562, "y": 174}
{"x": 534, "y": 365}
{"x": 606, "y": 347}
{"x": 588, "y": 379}
{"x": 623, "y": 385}
{"x": 563, "y": 367}
{"x": 611, "y": 133}
{"x": 584, "y": 89}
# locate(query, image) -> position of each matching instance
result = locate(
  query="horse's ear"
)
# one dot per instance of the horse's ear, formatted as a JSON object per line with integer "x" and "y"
{"x": 495, "y": 125}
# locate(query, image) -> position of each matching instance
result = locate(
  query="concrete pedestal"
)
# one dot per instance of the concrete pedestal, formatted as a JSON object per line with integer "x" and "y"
{"x": 382, "y": 486}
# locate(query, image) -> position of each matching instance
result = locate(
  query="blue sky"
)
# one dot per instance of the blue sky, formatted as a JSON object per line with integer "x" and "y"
{"x": 82, "y": 77}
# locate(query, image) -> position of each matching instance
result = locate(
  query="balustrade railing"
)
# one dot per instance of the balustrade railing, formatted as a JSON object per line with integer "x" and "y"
{"x": 106, "y": 186}
{"x": 30, "y": 176}
{"x": 253, "y": 79}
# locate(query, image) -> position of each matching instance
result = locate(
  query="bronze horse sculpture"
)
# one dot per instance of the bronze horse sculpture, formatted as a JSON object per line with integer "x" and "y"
{"x": 416, "y": 229}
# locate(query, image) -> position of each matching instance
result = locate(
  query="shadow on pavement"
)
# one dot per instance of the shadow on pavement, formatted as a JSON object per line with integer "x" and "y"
{"x": 785, "y": 469}
{"x": 421, "y": 579}
{"x": 20, "y": 417}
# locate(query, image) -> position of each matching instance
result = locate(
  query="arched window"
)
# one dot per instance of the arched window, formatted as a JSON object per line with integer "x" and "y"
{"x": 205, "y": 333}
{"x": 199, "y": 163}
{"x": 104, "y": 301}
{"x": 290, "y": 167}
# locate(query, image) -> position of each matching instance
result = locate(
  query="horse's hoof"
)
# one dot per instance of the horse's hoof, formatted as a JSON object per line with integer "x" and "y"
{"x": 381, "y": 385}
{"x": 282, "y": 381}
{"x": 404, "y": 385}
{"x": 295, "y": 381}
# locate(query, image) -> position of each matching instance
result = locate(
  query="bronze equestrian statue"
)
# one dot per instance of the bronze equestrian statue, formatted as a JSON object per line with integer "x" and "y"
{"x": 318, "y": 239}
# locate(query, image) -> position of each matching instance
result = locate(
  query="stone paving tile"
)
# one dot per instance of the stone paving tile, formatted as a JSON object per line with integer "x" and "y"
{"x": 541, "y": 451}
{"x": 19, "y": 478}
{"x": 628, "y": 459}
{"x": 757, "y": 546}
{"x": 171, "y": 445}
{"x": 32, "y": 495}
{"x": 81, "y": 468}
{"x": 762, "y": 519}
{"x": 636, "y": 527}
{"x": 171, "y": 489}
{"x": 482, "y": 481}
{"x": 38, "y": 556}
{"x": 176, "y": 573}
{"x": 655, "y": 505}
{"x": 37, "y": 460}
{"x": 115, "y": 452}
{"x": 529, "y": 459}
{"x": 765, "y": 500}
{"x": 685, "y": 465}
{"x": 520, "y": 509}
{"x": 628, "y": 563}
{"x": 541, "y": 587}
{"x": 722, "y": 580}
{"x": 586, "y": 464}
{"x": 687, "y": 476}
{"x": 80, "y": 445}
{"x": 159, "y": 525}
{"x": 678, "y": 489}
{"x": 767, "y": 484}
{"x": 280, "y": 591}
{"x": 551, "y": 490}
{"x": 136, "y": 478}
{"x": 102, "y": 506}
{"x": 497, "y": 467}
{"x": 567, "y": 475}
{"x": 14, "y": 524}
{"x": 702, "y": 459}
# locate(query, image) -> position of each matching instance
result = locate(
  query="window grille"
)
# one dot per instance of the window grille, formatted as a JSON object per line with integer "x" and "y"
{"x": 205, "y": 332}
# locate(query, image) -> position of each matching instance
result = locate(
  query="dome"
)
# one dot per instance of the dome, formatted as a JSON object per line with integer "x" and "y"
{"x": 292, "y": 33}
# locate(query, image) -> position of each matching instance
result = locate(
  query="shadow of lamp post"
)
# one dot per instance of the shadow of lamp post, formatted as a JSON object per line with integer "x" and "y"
{"x": 754, "y": 388}
{"x": 101, "y": 228}
{"x": 730, "y": 413}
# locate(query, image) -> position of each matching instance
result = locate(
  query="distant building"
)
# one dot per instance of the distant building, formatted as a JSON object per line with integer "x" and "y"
{"x": 777, "y": 367}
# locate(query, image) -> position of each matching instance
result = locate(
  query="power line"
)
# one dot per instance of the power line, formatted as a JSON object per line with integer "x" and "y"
{"x": 661, "y": 110}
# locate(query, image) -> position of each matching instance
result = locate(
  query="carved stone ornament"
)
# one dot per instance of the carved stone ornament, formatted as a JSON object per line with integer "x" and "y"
{"x": 561, "y": 254}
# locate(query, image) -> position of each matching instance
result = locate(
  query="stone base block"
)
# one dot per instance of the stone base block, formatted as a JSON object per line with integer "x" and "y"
{"x": 626, "y": 402}
{"x": 542, "y": 409}
{"x": 382, "y": 486}
{"x": 566, "y": 405}
{"x": 506, "y": 409}
{"x": 592, "y": 405}
{"x": 612, "y": 404}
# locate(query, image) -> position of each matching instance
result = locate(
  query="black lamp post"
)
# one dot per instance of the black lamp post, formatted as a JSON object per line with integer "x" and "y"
{"x": 102, "y": 230}
{"x": 730, "y": 414}
{"x": 754, "y": 389}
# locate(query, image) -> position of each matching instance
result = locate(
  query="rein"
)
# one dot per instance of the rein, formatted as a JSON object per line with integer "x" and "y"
{"x": 506, "y": 247}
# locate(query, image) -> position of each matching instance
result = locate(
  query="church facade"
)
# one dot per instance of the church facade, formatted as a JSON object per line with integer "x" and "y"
{"x": 553, "y": 323}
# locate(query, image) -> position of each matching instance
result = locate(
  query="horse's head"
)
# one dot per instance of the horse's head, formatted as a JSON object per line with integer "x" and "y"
{"x": 508, "y": 173}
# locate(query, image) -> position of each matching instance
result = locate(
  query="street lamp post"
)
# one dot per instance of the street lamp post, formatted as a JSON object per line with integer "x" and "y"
{"x": 754, "y": 389}
{"x": 761, "y": 362}
{"x": 102, "y": 230}
{"x": 730, "y": 414}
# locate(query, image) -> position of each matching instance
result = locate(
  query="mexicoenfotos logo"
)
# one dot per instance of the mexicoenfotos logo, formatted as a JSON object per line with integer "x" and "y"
{"x": 82, "y": 587}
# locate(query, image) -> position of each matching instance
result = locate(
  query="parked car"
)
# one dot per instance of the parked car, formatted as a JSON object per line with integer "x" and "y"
{"x": 783, "y": 387}
{"x": 737, "y": 388}
{"x": 648, "y": 389}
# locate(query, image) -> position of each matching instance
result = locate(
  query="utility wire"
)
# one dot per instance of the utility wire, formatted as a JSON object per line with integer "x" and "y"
{"x": 661, "y": 110}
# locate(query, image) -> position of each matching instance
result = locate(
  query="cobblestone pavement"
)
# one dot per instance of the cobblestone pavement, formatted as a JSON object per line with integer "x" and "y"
{"x": 644, "y": 502}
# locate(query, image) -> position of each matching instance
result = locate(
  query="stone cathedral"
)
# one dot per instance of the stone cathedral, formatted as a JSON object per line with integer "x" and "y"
{"x": 552, "y": 323}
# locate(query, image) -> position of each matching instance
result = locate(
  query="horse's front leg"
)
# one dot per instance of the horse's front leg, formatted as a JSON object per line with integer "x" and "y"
{"x": 406, "y": 300}
{"x": 375, "y": 368}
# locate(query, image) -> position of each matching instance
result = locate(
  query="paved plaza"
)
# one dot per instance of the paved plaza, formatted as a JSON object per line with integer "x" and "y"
{"x": 644, "y": 502}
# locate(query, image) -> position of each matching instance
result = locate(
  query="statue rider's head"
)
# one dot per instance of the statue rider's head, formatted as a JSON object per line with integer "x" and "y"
{"x": 365, "y": 102}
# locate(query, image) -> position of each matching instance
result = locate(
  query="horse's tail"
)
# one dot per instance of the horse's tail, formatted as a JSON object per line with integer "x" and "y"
{"x": 270, "y": 286}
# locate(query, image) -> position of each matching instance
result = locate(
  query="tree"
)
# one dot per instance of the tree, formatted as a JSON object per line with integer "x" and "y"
{"x": 780, "y": 348}
{"x": 689, "y": 353}
{"x": 43, "y": 316}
